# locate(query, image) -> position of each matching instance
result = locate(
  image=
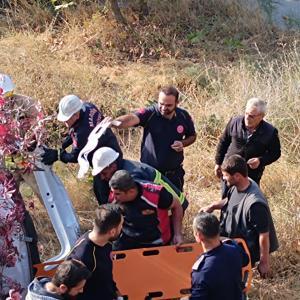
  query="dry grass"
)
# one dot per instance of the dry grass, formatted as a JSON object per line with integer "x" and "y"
{"x": 85, "y": 57}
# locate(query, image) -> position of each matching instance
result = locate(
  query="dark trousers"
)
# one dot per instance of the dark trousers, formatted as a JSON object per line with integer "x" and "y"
{"x": 31, "y": 240}
{"x": 101, "y": 189}
{"x": 176, "y": 177}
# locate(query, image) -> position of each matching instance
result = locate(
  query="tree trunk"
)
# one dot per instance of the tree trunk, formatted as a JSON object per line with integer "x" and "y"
{"x": 117, "y": 12}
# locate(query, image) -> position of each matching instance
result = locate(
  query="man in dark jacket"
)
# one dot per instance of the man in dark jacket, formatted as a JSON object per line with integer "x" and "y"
{"x": 245, "y": 213}
{"x": 81, "y": 118}
{"x": 251, "y": 137}
{"x": 217, "y": 273}
{"x": 67, "y": 282}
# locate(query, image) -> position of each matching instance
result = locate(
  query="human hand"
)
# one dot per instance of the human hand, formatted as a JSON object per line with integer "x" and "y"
{"x": 218, "y": 171}
{"x": 253, "y": 162}
{"x": 49, "y": 156}
{"x": 263, "y": 269}
{"x": 111, "y": 122}
{"x": 177, "y": 146}
{"x": 208, "y": 209}
{"x": 177, "y": 239}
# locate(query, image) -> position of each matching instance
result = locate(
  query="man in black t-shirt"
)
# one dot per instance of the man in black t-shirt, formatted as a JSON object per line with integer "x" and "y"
{"x": 245, "y": 213}
{"x": 167, "y": 130}
{"x": 145, "y": 206}
{"x": 94, "y": 250}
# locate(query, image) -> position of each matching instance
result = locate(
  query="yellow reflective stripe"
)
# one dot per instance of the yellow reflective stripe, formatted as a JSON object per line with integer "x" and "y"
{"x": 160, "y": 181}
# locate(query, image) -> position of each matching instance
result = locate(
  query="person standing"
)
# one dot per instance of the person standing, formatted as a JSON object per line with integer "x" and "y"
{"x": 94, "y": 250}
{"x": 245, "y": 213}
{"x": 251, "y": 137}
{"x": 217, "y": 273}
{"x": 80, "y": 118}
{"x": 168, "y": 129}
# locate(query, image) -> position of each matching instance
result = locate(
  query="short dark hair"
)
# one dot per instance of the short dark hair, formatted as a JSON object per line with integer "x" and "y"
{"x": 235, "y": 164}
{"x": 170, "y": 90}
{"x": 108, "y": 216}
{"x": 208, "y": 224}
{"x": 122, "y": 181}
{"x": 70, "y": 273}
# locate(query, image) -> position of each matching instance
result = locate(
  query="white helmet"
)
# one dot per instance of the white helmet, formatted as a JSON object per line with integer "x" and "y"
{"x": 68, "y": 106}
{"x": 102, "y": 158}
{"x": 6, "y": 84}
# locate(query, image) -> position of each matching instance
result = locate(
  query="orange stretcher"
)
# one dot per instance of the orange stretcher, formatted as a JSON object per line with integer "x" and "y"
{"x": 160, "y": 272}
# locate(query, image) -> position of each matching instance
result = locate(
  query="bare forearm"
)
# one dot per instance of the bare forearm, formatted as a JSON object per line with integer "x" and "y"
{"x": 128, "y": 121}
{"x": 264, "y": 247}
{"x": 177, "y": 215}
{"x": 189, "y": 140}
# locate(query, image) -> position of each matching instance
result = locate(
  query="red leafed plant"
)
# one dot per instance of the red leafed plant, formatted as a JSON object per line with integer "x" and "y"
{"x": 21, "y": 132}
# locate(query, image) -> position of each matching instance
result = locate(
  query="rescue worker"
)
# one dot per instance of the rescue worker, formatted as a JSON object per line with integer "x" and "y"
{"x": 106, "y": 162}
{"x": 217, "y": 273}
{"x": 68, "y": 281}
{"x": 245, "y": 213}
{"x": 145, "y": 206}
{"x": 80, "y": 118}
{"x": 94, "y": 250}
{"x": 168, "y": 129}
{"x": 251, "y": 137}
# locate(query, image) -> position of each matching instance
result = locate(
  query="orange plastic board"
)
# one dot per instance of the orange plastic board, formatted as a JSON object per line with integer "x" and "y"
{"x": 161, "y": 272}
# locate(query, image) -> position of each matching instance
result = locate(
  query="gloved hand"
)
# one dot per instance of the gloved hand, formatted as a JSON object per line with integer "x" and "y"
{"x": 49, "y": 156}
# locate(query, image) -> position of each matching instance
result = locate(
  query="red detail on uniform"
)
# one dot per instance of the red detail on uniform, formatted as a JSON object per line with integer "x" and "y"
{"x": 180, "y": 129}
{"x": 151, "y": 193}
{"x": 142, "y": 110}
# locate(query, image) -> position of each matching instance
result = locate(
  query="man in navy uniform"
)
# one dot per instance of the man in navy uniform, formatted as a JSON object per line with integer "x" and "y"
{"x": 81, "y": 118}
{"x": 167, "y": 130}
{"x": 217, "y": 273}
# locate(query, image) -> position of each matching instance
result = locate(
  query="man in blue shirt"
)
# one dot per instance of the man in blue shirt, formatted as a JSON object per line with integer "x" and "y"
{"x": 167, "y": 130}
{"x": 217, "y": 274}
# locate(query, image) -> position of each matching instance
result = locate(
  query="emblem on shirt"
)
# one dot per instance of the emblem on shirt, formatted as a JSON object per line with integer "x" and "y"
{"x": 180, "y": 129}
{"x": 142, "y": 110}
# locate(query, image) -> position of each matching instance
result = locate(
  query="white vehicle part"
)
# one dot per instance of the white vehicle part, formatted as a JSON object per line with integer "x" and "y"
{"x": 20, "y": 272}
{"x": 60, "y": 209}
{"x": 91, "y": 144}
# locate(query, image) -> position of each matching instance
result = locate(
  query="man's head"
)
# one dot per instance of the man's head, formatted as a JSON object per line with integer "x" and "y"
{"x": 104, "y": 163}
{"x": 168, "y": 101}
{"x": 6, "y": 86}
{"x": 109, "y": 221}
{"x": 69, "y": 109}
{"x": 206, "y": 227}
{"x": 234, "y": 170}
{"x": 254, "y": 112}
{"x": 70, "y": 277}
{"x": 123, "y": 186}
